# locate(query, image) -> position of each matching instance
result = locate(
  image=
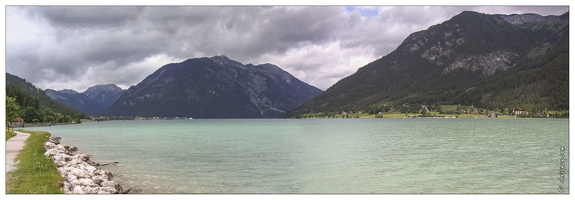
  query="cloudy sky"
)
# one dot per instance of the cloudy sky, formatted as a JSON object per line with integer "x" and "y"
{"x": 75, "y": 47}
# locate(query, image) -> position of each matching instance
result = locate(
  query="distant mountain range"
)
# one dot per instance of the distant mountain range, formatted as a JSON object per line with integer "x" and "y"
{"x": 92, "y": 102}
{"x": 215, "y": 87}
{"x": 489, "y": 61}
{"x": 76, "y": 100}
{"x": 105, "y": 95}
{"x": 33, "y": 92}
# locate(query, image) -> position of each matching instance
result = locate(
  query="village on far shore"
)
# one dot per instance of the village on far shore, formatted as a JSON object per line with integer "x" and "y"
{"x": 441, "y": 111}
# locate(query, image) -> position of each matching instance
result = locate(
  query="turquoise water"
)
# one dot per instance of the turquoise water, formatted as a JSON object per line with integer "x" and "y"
{"x": 328, "y": 155}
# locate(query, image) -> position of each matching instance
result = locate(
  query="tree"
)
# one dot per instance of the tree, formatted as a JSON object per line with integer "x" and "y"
{"x": 49, "y": 119}
{"x": 12, "y": 109}
{"x": 30, "y": 113}
{"x": 49, "y": 116}
{"x": 77, "y": 118}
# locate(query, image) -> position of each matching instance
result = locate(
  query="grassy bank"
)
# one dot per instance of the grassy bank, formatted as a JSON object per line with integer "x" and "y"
{"x": 9, "y": 134}
{"x": 34, "y": 173}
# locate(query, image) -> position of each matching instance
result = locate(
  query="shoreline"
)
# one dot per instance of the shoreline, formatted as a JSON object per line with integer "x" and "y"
{"x": 79, "y": 174}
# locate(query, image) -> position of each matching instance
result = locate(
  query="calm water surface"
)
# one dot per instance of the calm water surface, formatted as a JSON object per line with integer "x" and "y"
{"x": 328, "y": 155}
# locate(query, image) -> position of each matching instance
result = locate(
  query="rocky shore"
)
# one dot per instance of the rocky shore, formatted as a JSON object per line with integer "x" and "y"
{"x": 79, "y": 174}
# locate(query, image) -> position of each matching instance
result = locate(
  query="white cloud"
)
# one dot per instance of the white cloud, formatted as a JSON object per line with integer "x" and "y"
{"x": 322, "y": 65}
{"x": 76, "y": 47}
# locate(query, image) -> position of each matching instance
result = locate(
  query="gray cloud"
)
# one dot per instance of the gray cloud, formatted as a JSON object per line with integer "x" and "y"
{"x": 79, "y": 46}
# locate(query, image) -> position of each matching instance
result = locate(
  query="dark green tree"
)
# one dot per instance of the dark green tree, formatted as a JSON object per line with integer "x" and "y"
{"x": 31, "y": 113}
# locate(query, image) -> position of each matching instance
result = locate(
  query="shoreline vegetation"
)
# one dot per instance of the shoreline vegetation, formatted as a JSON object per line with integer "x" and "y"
{"x": 388, "y": 111}
{"x": 362, "y": 115}
{"x": 436, "y": 111}
{"x": 47, "y": 167}
{"x": 34, "y": 173}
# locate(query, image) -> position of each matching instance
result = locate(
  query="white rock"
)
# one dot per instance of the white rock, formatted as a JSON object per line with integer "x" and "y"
{"x": 67, "y": 186}
{"x": 110, "y": 190}
{"x": 76, "y": 172}
{"x": 75, "y": 182}
{"x": 83, "y": 174}
{"x": 51, "y": 152}
{"x": 49, "y": 145}
{"x": 107, "y": 183}
{"x": 72, "y": 163}
{"x": 62, "y": 172}
{"x": 78, "y": 190}
{"x": 57, "y": 158}
{"x": 84, "y": 157}
{"x": 98, "y": 180}
{"x": 60, "y": 163}
{"x": 65, "y": 157}
{"x": 91, "y": 190}
{"x": 80, "y": 177}
{"x": 91, "y": 169}
{"x": 71, "y": 177}
{"x": 87, "y": 182}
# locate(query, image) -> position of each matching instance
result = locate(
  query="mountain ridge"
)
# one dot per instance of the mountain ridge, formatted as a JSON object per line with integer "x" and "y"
{"x": 92, "y": 102}
{"x": 215, "y": 87}
{"x": 105, "y": 94}
{"x": 76, "y": 100}
{"x": 453, "y": 63}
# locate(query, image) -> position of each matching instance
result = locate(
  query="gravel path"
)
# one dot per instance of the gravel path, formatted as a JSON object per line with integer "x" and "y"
{"x": 13, "y": 146}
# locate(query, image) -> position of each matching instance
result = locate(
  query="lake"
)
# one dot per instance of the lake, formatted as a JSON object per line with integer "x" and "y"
{"x": 342, "y": 156}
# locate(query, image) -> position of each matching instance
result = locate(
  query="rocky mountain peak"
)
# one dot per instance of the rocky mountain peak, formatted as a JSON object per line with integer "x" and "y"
{"x": 463, "y": 43}
{"x": 225, "y": 61}
{"x": 68, "y": 91}
{"x": 215, "y": 87}
{"x": 105, "y": 94}
{"x": 106, "y": 87}
{"x": 524, "y": 18}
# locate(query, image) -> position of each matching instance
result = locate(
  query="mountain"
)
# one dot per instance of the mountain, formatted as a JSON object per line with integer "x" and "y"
{"x": 23, "y": 88}
{"x": 92, "y": 102}
{"x": 76, "y": 100}
{"x": 105, "y": 95}
{"x": 215, "y": 87}
{"x": 489, "y": 61}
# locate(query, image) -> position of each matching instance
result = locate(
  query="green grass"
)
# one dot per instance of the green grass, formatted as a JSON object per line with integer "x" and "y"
{"x": 397, "y": 115}
{"x": 449, "y": 107}
{"x": 34, "y": 173}
{"x": 9, "y": 134}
